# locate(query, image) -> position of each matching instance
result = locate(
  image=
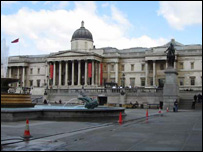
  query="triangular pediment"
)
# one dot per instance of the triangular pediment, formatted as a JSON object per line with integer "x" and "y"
{"x": 71, "y": 53}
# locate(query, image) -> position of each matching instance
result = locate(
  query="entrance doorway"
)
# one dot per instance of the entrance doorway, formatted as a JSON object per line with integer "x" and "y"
{"x": 102, "y": 100}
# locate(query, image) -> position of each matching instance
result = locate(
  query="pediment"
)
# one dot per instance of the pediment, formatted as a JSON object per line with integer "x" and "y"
{"x": 71, "y": 54}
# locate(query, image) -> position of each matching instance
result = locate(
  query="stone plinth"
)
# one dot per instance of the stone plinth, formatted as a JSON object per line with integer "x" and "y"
{"x": 171, "y": 89}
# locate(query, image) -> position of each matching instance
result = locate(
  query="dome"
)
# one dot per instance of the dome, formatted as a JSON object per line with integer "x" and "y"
{"x": 82, "y": 33}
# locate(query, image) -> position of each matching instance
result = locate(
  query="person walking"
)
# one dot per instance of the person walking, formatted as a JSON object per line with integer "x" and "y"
{"x": 175, "y": 108}
{"x": 199, "y": 98}
{"x": 195, "y": 98}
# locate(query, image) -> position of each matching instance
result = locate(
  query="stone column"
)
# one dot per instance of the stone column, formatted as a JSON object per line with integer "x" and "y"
{"x": 18, "y": 76}
{"x": 73, "y": 72}
{"x": 79, "y": 72}
{"x": 108, "y": 72}
{"x": 47, "y": 73}
{"x": 96, "y": 73}
{"x": 60, "y": 67}
{"x": 23, "y": 77}
{"x": 85, "y": 72}
{"x": 154, "y": 73}
{"x": 54, "y": 74}
{"x": 116, "y": 73}
{"x": 18, "y": 73}
{"x": 99, "y": 73}
{"x": 166, "y": 64}
{"x": 92, "y": 72}
{"x": 66, "y": 73}
{"x": 146, "y": 73}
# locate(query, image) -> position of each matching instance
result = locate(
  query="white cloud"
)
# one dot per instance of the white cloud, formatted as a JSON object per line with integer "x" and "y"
{"x": 51, "y": 30}
{"x": 181, "y": 13}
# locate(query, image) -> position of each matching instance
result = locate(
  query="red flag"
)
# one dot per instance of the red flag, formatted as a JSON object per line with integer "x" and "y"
{"x": 15, "y": 41}
{"x": 89, "y": 70}
{"x": 101, "y": 73}
{"x": 51, "y": 71}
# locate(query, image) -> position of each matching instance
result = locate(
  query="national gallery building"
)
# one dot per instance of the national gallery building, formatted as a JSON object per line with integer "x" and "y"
{"x": 85, "y": 66}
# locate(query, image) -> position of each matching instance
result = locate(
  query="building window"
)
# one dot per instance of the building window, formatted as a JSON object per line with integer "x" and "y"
{"x": 192, "y": 80}
{"x": 132, "y": 82}
{"x": 38, "y": 83}
{"x": 142, "y": 82}
{"x": 112, "y": 67}
{"x": 181, "y": 81}
{"x": 192, "y": 65}
{"x": 38, "y": 70}
{"x": 143, "y": 67}
{"x": 132, "y": 67}
{"x": 31, "y": 71}
{"x": 31, "y": 83}
{"x": 181, "y": 65}
{"x": 122, "y": 67}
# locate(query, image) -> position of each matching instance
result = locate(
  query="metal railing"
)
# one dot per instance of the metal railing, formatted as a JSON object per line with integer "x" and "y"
{"x": 105, "y": 90}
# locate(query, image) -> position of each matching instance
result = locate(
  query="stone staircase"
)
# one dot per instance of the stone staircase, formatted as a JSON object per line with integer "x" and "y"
{"x": 186, "y": 99}
{"x": 185, "y": 103}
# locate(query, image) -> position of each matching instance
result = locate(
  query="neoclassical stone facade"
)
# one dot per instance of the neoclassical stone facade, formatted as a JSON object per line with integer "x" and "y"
{"x": 90, "y": 67}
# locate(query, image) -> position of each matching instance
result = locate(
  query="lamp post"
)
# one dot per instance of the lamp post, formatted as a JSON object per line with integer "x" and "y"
{"x": 123, "y": 86}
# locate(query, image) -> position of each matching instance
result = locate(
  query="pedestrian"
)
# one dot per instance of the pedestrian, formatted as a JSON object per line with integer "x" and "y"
{"x": 195, "y": 98}
{"x": 199, "y": 98}
{"x": 60, "y": 101}
{"x": 175, "y": 108}
{"x": 45, "y": 101}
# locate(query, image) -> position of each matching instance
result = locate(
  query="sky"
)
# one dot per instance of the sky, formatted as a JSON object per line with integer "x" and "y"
{"x": 44, "y": 27}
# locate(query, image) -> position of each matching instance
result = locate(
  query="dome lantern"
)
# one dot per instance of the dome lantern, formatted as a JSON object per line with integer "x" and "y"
{"x": 82, "y": 33}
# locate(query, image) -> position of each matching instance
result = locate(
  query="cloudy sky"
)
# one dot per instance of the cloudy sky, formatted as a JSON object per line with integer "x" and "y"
{"x": 47, "y": 26}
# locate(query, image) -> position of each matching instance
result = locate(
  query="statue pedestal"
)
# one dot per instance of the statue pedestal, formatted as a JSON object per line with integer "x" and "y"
{"x": 171, "y": 89}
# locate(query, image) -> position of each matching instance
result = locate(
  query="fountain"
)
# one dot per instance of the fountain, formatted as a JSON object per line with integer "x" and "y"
{"x": 88, "y": 112}
{"x": 69, "y": 101}
{"x": 10, "y": 99}
{"x": 17, "y": 107}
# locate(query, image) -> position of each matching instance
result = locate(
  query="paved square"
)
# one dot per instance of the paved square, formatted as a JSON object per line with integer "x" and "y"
{"x": 181, "y": 131}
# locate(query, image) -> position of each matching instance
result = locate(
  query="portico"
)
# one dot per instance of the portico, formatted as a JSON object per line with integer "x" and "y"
{"x": 74, "y": 70}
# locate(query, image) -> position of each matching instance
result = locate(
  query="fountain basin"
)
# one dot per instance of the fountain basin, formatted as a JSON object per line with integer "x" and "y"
{"x": 78, "y": 113}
